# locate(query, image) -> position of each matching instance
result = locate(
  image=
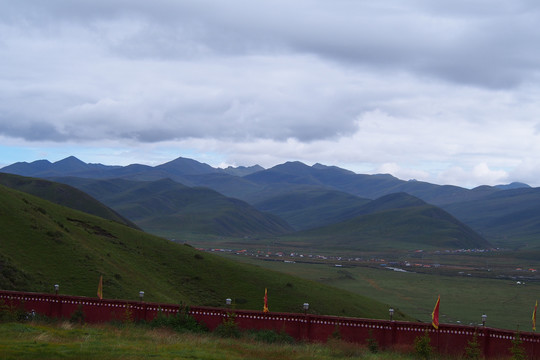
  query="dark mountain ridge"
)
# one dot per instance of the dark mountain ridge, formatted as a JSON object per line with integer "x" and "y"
{"x": 319, "y": 191}
{"x": 194, "y": 173}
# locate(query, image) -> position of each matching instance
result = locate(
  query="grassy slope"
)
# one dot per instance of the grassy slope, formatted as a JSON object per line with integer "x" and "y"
{"x": 508, "y": 218}
{"x": 63, "y": 195}
{"x": 42, "y": 244}
{"x": 306, "y": 208}
{"x": 168, "y": 208}
{"x": 417, "y": 227}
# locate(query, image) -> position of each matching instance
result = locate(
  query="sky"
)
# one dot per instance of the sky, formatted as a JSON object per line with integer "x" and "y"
{"x": 444, "y": 91}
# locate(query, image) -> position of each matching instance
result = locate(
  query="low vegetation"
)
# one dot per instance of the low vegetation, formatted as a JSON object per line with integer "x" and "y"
{"x": 68, "y": 340}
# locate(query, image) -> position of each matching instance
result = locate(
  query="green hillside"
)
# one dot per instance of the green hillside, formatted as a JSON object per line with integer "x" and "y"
{"x": 392, "y": 202}
{"x": 63, "y": 195}
{"x": 168, "y": 208}
{"x": 42, "y": 244}
{"x": 416, "y": 227}
{"x": 312, "y": 207}
{"x": 509, "y": 218}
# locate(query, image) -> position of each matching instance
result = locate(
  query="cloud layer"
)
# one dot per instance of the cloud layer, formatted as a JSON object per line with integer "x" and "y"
{"x": 440, "y": 91}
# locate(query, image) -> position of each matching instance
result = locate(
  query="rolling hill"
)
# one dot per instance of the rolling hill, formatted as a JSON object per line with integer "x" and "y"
{"x": 43, "y": 243}
{"x": 63, "y": 194}
{"x": 167, "y": 208}
{"x": 510, "y": 218}
{"x": 308, "y": 207}
{"x": 393, "y": 222}
{"x": 170, "y": 209}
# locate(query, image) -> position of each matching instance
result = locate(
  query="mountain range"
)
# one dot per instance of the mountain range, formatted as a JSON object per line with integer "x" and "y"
{"x": 295, "y": 202}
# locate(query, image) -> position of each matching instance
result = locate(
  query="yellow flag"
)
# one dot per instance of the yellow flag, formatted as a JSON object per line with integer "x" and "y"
{"x": 265, "y": 308}
{"x": 534, "y": 316}
{"x": 100, "y": 288}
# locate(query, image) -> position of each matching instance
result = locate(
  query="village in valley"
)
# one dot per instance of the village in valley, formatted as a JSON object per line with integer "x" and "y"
{"x": 419, "y": 261}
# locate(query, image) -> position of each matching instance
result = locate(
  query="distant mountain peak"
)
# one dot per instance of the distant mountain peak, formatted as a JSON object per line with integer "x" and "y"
{"x": 294, "y": 162}
{"x": 242, "y": 170}
{"x": 319, "y": 166}
{"x": 71, "y": 163}
{"x": 71, "y": 160}
{"x": 291, "y": 166}
{"x": 513, "y": 185}
{"x": 27, "y": 169}
{"x": 185, "y": 166}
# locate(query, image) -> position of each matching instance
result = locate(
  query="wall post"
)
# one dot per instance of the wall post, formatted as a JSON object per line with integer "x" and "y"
{"x": 486, "y": 342}
{"x": 393, "y": 334}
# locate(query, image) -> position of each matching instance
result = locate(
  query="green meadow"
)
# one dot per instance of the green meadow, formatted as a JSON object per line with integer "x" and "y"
{"x": 464, "y": 298}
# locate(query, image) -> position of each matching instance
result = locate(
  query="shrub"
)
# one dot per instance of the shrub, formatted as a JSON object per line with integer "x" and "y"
{"x": 518, "y": 353}
{"x": 472, "y": 351}
{"x": 78, "y": 316}
{"x": 6, "y": 313}
{"x": 336, "y": 334}
{"x": 127, "y": 316}
{"x": 422, "y": 346}
{"x": 12, "y": 313}
{"x": 179, "y": 322}
{"x": 372, "y": 344}
{"x": 228, "y": 328}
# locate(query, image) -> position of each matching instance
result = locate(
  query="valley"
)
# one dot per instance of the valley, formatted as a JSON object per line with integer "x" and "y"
{"x": 502, "y": 290}
{"x": 394, "y": 243}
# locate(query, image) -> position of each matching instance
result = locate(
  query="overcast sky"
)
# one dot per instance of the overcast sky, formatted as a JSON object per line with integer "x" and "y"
{"x": 444, "y": 91}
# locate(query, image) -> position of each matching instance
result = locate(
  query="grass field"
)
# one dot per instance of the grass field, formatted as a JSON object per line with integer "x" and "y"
{"x": 66, "y": 341}
{"x": 463, "y": 298}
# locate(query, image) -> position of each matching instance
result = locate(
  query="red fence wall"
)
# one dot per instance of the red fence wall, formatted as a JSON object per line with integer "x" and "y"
{"x": 449, "y": 339}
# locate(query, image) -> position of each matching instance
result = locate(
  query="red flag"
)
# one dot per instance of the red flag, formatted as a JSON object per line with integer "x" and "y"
{"x": 435, "y": 314}
{"x": 100, "y": 288}
{"x": 534, "y": 316}
{"x": 265, "y": 308}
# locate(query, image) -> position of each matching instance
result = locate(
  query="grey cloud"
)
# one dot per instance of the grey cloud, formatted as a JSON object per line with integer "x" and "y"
{"x": 245, "y": 70}
{"x": 30, "y": 130}
{"x": 485, "y": 43}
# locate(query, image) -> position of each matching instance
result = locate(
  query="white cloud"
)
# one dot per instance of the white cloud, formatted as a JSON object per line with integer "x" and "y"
{"x": 483, "y": 174}
{"x": 479, "y": 174}
{"x": 405, "y": 174}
